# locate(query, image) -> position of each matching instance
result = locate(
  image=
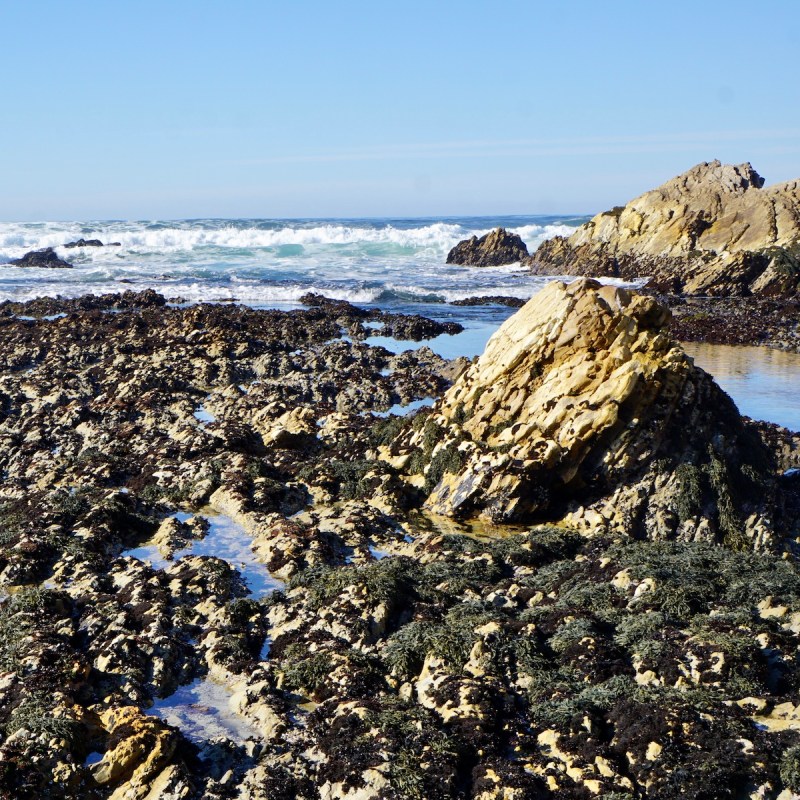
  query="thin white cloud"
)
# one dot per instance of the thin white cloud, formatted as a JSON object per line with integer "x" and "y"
{"x": 572, "y": 146}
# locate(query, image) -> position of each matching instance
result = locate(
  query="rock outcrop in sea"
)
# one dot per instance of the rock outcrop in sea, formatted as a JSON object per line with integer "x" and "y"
{"x": 47, "y": 258}
{"x": 581, "y": 410}
{"x": 714, "y": 230}
{"x": 495, "y": 249}
{"x": 89, "y": 243}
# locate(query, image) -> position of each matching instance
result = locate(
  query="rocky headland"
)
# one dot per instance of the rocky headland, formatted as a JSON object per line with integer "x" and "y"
{"x": 386, "y": 631}
{"x": 714, "y": 230}
{"x": 714, "y": 244}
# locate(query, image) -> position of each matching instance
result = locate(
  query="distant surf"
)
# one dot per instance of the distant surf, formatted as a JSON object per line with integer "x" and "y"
{"x": 263, "y": 262}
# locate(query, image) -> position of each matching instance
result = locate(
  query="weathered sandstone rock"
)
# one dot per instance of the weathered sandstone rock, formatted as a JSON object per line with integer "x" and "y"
{"x": 711, "y": 231}
{"x": 496, "y": 248}
{"x": 581, "y": 407}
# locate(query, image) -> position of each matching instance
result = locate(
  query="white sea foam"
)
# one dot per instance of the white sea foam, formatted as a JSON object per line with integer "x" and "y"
{"x": 258, "y": 295}
{"x": 436, "y": 237}
{"x": 269, "y": 262}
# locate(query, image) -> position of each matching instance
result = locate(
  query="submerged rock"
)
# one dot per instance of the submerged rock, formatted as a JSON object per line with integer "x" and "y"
{"x": 495, "y": 249}
{"x": 47, "y": 258}
{"x": 90, "y": 243}
{"x": 582, "y": 409}
{"x": 711, "y": 231}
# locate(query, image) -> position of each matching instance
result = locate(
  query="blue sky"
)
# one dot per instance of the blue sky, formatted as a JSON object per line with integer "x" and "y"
{"x": 187, "y": 109}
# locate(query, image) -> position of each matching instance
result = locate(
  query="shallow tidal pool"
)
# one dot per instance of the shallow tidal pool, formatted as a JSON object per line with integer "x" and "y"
{"x": 763, "y": 382}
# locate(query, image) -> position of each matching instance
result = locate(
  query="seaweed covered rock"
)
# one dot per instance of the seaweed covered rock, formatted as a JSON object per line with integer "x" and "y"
{"x": 581, "y": 407}
{"x": 711, "y": 231}
{"x": 496, "y": 248}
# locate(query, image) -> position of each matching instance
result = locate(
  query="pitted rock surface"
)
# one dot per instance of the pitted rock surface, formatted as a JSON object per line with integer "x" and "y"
{"x": 581, "y": 408}
{"x": 407, "y": 655}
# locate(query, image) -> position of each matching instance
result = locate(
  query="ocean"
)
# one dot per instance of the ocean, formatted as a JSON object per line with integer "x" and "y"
{"x": 396, "y": 264}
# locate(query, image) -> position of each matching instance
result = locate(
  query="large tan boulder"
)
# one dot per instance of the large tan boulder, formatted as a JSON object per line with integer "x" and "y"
{"x": 711, "y": 230}
{"x": 582, "y": 410}
{"x": 139, "y": 757}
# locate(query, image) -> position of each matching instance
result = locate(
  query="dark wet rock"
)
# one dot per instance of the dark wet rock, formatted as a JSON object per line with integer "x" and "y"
{"x": 741, "y": 320}
{"x": 89, "y": 243}
{"x": 50, "y": 306}
{"x": 783, "y": 444}
{"x": 47, "y": 258}
{"x": 491, "y": 300}
{"x": 412, "y": 327}
{"x": 338, "y": 306}
{"x": 407, "y": 327}
{"x": 496, "y": 248}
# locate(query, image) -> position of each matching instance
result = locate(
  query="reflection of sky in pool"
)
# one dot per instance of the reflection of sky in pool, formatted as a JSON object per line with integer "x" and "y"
{"x": 203, "y": 416}
{"x": 764, "y": 383}
{"x": 201, "y": 710}
{"x": 403, "y": 410}
{"x": 225, "y": 539}
{"x": 470, "y": 342}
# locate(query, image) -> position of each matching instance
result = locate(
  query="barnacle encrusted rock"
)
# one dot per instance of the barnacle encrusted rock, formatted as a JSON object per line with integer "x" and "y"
{"x": 581, "y": 407}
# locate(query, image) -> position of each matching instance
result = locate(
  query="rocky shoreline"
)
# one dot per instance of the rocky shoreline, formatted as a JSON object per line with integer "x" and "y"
{"x": 571, "y": 654}
{"x": 713, "y": 244}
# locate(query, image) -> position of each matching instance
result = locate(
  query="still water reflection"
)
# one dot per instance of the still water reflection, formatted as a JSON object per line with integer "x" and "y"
{"x": 764, "y": 383}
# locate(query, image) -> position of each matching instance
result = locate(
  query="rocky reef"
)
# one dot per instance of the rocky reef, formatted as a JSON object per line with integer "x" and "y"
{"x": 714, "y": 230}
{"x": 219, "y": 578}
{"x": 496, "y": 248}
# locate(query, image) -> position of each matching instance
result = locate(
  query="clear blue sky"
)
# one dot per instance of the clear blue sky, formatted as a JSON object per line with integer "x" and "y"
{"x": 319, "y": 108}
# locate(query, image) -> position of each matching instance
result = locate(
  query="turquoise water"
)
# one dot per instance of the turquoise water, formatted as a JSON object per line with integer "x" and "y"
{"x": 392, "y": 262}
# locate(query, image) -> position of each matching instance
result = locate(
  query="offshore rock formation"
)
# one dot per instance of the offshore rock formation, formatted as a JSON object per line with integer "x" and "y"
{"x": 47, "y": 258}
{"x": 89, "y": 243}
{"x": 496, "y": 248}
{"x": 580, "y": 408}
{"x": 711, "y": 231}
